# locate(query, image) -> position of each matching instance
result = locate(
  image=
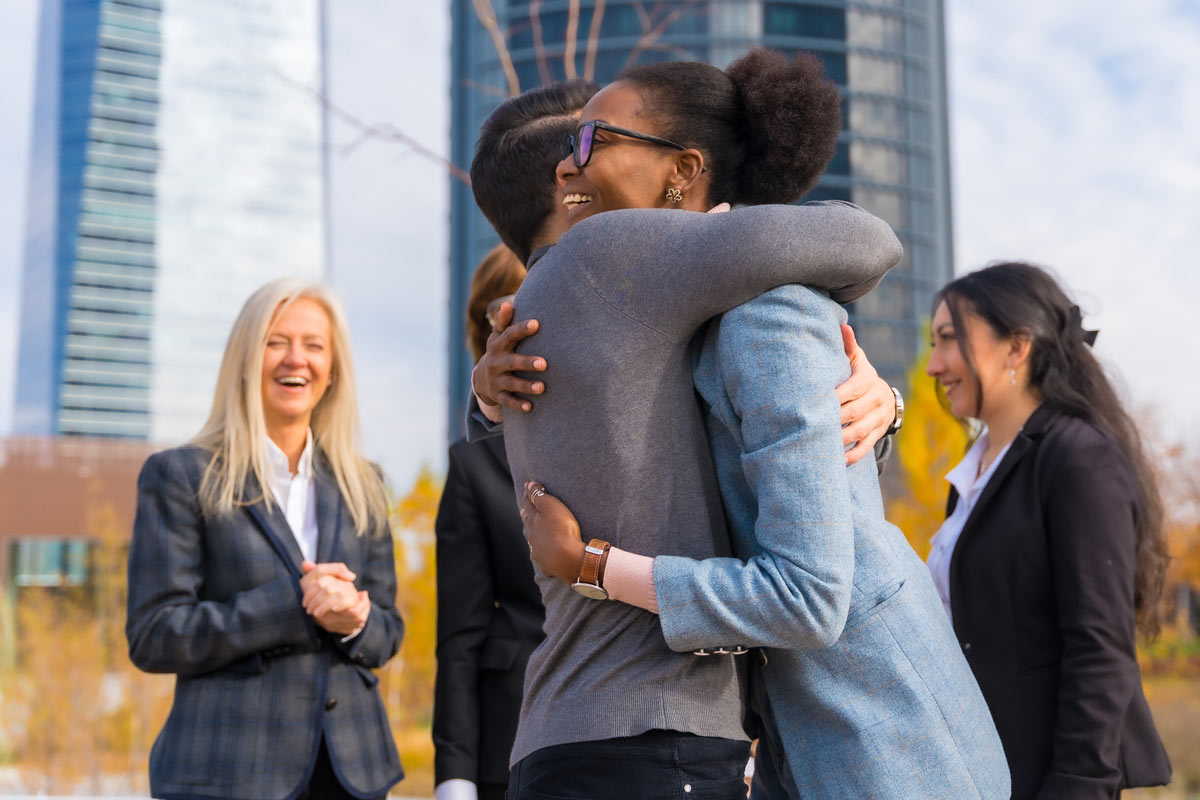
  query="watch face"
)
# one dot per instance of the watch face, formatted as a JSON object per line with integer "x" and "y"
{"x": 590, "y": 591}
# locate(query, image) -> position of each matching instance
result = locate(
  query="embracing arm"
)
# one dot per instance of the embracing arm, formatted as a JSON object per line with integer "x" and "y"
{"x": 1091, "y": 532}
{"x": 168, "y": 627}
{"x": 464, "y": 595}
{"x": 780, "y": 361}
{"x": 672, "y": 270}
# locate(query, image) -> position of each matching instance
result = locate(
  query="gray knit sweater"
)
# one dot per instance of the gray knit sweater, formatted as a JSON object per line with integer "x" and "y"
{"x": 620, "y": 439}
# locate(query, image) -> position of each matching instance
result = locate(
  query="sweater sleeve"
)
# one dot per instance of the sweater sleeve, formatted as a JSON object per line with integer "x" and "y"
{"x": 672, "y": 270}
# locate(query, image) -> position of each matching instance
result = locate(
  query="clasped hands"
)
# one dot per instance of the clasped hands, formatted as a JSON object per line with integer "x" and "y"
{"x": 331, "y": 598}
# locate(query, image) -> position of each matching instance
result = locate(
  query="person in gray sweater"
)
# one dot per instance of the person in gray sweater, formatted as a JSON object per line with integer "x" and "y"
{"x": 621, "y": 296}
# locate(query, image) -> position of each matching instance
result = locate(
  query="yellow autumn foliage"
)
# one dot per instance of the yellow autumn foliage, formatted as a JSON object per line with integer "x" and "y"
{"x": 927, "y": 447}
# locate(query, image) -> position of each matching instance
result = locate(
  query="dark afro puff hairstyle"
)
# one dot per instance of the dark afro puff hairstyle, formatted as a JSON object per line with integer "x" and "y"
{"x": 767, "y": 125}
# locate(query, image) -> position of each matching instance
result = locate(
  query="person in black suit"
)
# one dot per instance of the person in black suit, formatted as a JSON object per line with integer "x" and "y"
{"x": 1052, "y": 555}
{"x": 489, "y": 608}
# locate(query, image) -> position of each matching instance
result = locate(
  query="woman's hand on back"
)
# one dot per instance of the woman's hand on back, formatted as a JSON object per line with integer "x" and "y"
{"x": 493, "y": 379}
{"x": 868, "y": 405}
{"x": 552, "y": 531}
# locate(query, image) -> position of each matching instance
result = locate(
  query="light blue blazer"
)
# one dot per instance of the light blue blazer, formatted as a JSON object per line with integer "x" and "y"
{"x": 868, "y": 687}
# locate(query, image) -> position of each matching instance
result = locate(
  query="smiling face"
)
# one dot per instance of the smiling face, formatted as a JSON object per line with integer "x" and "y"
{"x": 623, "y": 172}
{"x": 991, "y": 356}
{"x": 297, "y": 363}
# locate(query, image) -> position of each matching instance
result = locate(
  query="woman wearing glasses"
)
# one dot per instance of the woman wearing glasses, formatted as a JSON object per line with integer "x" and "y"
{"x": 860, "y": 686}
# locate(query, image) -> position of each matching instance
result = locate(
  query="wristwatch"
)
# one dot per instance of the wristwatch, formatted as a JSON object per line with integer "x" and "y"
{"x": 591, "y": 571}
{"x": 898, "y": 422}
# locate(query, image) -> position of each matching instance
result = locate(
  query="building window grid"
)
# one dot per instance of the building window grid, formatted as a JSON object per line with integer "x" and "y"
{"x": 120, "y": 299}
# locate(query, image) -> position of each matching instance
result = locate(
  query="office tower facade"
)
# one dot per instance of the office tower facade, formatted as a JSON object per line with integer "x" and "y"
{"x": 887, "y": 56}
{"x": 176, "y": 166}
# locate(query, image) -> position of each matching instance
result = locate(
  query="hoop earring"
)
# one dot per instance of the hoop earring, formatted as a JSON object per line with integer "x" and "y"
{"x": 1012, "y": 377}
{"x": 674, "y": 195}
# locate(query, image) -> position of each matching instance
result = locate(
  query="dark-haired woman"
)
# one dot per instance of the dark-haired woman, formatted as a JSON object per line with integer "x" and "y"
{"x": 863, "y": 691}
{"x": 1052, "y": 553}
{"x": 490, "y": 613}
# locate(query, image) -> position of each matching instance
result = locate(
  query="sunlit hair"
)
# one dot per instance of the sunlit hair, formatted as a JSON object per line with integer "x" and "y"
{"x": 236, "y": 430}
{"x": 499, "y": 274}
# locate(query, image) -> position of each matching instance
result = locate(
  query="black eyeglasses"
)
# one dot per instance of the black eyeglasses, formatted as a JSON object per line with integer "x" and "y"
{"x": 585, "y": 136}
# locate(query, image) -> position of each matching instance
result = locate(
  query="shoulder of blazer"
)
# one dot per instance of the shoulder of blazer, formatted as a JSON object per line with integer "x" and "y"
{"x": 1070, "y": 442}
{"x": 189, "y": 458}
{"x": 487, "y": 455}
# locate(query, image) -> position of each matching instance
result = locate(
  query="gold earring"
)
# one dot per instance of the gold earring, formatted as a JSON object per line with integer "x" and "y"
{"x": 674, "y": 195}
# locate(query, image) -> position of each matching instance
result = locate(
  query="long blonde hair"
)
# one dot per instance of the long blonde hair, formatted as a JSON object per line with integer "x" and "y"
{"x": 236, "y": 430}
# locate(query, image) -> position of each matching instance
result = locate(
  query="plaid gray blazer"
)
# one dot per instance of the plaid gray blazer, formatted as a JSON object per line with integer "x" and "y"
{"x": 216, "y": 601}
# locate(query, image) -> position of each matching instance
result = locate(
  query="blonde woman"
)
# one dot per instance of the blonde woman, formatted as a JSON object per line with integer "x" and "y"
{"x": 261, "y": 573}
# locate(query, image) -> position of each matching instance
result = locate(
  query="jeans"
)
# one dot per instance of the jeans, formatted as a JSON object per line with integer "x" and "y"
{"x": 656, "y": 764}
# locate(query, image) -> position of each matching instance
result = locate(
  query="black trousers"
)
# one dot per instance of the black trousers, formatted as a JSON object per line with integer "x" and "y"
{"x": 656, "y": 764}
{"x": 324, "y": 783}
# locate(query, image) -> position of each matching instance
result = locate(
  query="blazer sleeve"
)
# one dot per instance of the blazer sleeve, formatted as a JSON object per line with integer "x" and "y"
{"x": 672, "y": 270}
{"x": 380, "y": 638}
{"x": 465, "y": 595}
{"x": 781, "y": 358}
{"x": 1090, "y": 516}
{"x": 169, "y": 627}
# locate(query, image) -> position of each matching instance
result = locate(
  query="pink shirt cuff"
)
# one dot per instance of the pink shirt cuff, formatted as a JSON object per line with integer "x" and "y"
{"x": 629, "y": 578}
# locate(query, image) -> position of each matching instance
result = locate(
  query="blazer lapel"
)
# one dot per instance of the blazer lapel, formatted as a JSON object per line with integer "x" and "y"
{"x": 329, "y": 513}
{"x": 1021, "y": 447}
{"x": 275, "y": 527}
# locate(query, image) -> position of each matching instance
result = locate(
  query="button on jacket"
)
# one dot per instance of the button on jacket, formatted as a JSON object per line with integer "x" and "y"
{"x": 1041, "y": 588}
{"x": 216, "y": 601}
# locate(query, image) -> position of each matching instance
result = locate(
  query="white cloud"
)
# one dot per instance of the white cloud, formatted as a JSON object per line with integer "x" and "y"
{"x": 1075, "y": 145}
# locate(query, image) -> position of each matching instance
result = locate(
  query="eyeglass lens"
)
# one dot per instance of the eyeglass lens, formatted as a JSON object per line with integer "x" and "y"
{"x": 583, "y": 144}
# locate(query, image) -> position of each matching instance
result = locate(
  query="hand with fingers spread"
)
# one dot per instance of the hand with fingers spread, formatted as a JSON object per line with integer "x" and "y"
{"x": 868, "y": 403}
{"x": 330, "y": 597}
{"x": 552, "y": 531}
{"x": 493, "y": 380}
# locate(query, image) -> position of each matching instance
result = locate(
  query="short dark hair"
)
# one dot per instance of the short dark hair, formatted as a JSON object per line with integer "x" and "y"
{"x": 520, "y": 145}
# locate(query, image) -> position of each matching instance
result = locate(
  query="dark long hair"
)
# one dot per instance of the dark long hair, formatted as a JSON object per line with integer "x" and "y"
{"x": 767, "y": 126}
{"x": 1017, "y": 299}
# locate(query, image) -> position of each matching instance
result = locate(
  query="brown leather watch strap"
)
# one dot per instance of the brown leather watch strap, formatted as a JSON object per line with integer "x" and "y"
{"x": 594, "y": 554}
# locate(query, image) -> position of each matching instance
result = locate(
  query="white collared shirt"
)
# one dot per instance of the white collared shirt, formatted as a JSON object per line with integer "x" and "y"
{"x": 962, "y": 478}
{"x": 295, "y": 494}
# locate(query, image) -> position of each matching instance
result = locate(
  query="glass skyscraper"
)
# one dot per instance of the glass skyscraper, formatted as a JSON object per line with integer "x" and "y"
{"x": 888, "y": 57}
{"x": 175, "y": 168}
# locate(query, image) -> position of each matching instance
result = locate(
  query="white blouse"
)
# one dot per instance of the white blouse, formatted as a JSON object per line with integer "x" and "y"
{"x": 963, "y": 478}
{"x": 295, "y": 495}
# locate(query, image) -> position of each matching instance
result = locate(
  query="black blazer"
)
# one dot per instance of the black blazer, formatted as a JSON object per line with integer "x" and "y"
{"x": 489, "y": 616}
{"x": 1041, "y": 590}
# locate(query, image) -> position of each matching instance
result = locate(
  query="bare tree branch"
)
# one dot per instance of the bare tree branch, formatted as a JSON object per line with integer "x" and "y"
{"x": 365, "y": 130}
{"x": 593, "y": 42}
{"x": 651, "y": 31}
{"x": 539, "y": 46}
{"x": 572, "y": 40}
{"x": 487, "y": 18}
{"x": 494, "y": 91}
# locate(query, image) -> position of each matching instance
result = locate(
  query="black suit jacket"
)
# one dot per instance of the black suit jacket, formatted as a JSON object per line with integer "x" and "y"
{"x": 1041, "y": 590}
{"x": 489, "y": 615}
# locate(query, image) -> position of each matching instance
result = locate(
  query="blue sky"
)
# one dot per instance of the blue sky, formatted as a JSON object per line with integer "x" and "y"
{"x": 1075, "y": 140}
